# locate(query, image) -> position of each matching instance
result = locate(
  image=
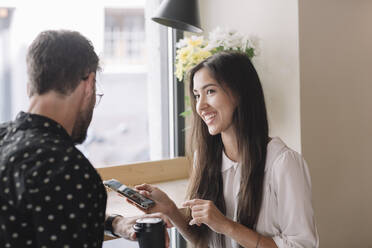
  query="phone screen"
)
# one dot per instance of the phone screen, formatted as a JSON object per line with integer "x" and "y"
{"x": 136, "y": 197}
{"x": 131, "y": 194}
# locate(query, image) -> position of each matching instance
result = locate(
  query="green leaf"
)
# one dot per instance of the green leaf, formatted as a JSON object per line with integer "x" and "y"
{"x": 186, "y": 128}
{"x": 186, "y": 113}
{"x": 187, "y": 100}
{"x": 217, "y": 49}
{"x": 250, "y": 52}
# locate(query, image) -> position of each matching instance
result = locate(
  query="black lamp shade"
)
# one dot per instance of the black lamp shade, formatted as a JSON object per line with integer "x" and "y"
{"x": 179, "y": 14}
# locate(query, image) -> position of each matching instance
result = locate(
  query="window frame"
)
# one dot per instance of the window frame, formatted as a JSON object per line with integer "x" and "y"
{"x": 5, "y": 75}
{"x": 178, "y": 93}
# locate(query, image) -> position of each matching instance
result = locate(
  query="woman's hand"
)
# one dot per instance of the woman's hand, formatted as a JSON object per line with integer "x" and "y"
{"x": 163, "y": 203}
{"x": 205, "y": 212}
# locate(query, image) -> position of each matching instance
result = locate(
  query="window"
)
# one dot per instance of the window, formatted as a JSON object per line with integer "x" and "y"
{"x": 124, "y": 36}
{"x": 119, "y": 131}
{"x": 5, "y": 20}
{"x": 131, "y": 123}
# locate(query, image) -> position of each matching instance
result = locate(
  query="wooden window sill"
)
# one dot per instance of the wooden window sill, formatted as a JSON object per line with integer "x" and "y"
{"x": 170, "y": 175}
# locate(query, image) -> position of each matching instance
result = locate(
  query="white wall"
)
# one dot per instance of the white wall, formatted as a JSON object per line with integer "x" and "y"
{"x": 336, "y": 113}
{"x": 276, "y": 24}
{"x": 316, "y": 69}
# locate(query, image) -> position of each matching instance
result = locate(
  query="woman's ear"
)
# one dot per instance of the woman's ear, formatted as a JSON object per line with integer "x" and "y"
{"x": 234, "y": 98}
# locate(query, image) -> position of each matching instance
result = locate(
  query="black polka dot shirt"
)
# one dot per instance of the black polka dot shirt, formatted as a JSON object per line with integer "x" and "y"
{"x": 50, "y": 195}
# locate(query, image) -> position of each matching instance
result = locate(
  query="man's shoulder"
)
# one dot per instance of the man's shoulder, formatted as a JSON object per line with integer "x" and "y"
{"x": 4, "y": 129}
{"x": 55, "y": 150}
{"x": 26, "y": 144}
{"x": 48, "y": 164}
{"x": 33, "y": 152}
{"x": 39, "y": 151}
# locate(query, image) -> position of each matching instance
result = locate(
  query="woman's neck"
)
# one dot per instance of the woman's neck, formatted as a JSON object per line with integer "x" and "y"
{"x": 230, "y": 144}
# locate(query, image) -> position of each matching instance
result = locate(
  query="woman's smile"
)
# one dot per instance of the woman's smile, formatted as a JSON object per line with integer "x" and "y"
{"x": 209, "y": 117}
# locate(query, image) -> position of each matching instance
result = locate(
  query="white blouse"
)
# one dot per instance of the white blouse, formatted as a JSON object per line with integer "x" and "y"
{"x": 286, "y": 212}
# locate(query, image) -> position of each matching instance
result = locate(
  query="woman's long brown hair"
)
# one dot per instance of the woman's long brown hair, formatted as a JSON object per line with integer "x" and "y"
{"x": 233, "y": 71}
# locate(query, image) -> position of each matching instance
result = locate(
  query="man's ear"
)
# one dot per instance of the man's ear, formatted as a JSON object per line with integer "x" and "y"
{"x": 86, "y": 89}
{"x": 90, "y": 84}
{"x": 28, "y": 90}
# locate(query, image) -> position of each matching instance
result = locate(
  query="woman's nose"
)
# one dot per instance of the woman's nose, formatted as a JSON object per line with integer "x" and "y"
{"x": 202, "y": 103}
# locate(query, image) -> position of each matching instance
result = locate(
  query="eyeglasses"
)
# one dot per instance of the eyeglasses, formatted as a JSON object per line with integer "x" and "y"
{"x": 98, "y": 89}
{"x": 98, "y": 98}
{"x": 99, "y": 93}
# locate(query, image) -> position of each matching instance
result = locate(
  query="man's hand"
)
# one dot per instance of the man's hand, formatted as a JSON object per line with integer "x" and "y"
{"x": 123, "y": 226}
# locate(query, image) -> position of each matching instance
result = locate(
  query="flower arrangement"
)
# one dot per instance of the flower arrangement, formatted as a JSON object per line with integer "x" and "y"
{"x": 192, "y": 50}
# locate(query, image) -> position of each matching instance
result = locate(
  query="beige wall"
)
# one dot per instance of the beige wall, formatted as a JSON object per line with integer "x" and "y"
{"x": 276, "y": 24}
{"x": 336, "y": 114}
{"x": 316, "y": 69}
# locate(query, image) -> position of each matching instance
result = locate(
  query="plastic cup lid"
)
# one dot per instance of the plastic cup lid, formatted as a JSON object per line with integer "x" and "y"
{"x": 149, "y": 220}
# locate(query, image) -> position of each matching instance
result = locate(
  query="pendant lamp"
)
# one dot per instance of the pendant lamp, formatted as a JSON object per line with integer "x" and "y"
{"x": 179, "y": 14}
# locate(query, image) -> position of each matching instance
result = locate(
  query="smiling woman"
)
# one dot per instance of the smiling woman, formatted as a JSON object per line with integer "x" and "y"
{"x": 245, "y": 187}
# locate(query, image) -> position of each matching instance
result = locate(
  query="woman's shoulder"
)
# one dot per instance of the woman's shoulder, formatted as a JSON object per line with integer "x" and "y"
{"x": 279, "y": 155}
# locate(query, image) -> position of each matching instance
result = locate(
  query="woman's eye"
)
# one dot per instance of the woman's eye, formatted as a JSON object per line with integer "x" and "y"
{"x": 196, "y": 97}
{"x": 210, "y": 92}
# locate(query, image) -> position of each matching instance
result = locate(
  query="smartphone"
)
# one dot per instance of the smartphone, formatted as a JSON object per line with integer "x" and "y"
{"x": 134, "y": 196}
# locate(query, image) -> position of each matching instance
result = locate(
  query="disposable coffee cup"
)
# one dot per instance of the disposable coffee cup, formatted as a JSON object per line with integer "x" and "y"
{"x": 150, "y": 232}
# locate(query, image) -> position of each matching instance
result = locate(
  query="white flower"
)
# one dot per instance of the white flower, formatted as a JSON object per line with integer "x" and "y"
{"x": 181, "y": 43}
{"x": 194, "y": 49}
{"x": 252, "y": 41}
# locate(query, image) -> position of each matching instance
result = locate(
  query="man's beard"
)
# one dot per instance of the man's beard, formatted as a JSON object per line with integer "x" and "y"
{"x": 80, "y": 129}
